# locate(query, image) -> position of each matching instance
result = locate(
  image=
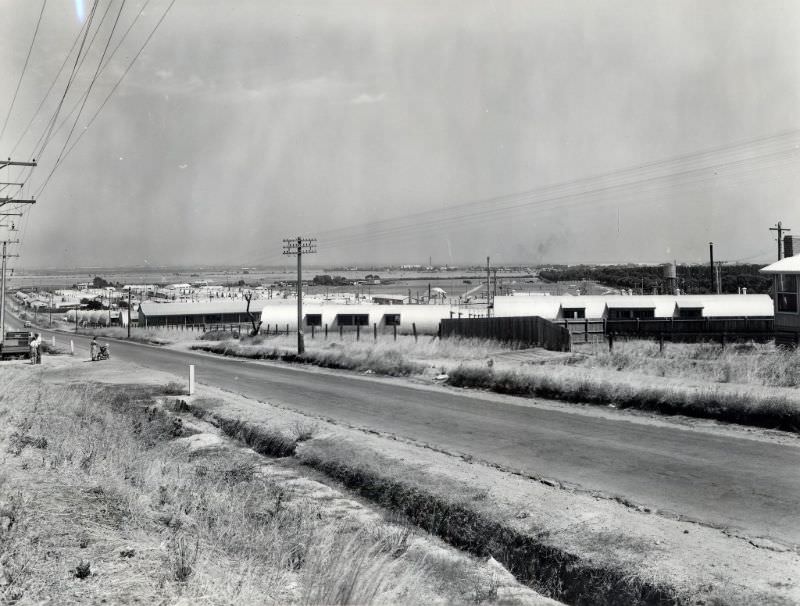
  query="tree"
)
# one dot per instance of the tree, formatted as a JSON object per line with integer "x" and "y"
{"x": 256, "y": 327}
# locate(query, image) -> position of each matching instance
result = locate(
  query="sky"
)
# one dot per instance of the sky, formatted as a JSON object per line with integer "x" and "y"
{"x": 394, "y": 132}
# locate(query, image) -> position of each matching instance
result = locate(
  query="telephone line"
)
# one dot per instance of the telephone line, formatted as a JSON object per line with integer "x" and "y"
{"x": 24, "y": 68}
{"x": 102, "y": 69}
{"x": 40, "y": 145}
{"x": 113, "y": 90}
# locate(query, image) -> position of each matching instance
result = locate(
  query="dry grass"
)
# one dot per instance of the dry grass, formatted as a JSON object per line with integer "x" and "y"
{"x": 746, "y": 363}
{"x": 153, "y": 336}
{"x": 108, "y": 504}
{"x": 746, "y": 407}
{"x": 388, "y": 357}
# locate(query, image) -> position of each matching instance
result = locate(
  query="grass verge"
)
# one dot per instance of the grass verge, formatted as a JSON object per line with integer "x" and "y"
{"x": 101, "y": 499}
{"x": 455, "y": 513}
{"x": 746, "y": 408}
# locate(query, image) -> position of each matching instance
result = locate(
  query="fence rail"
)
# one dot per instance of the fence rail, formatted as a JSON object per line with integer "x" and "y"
{"x": 526, "y": 330}
{"x": 675, "y": 329}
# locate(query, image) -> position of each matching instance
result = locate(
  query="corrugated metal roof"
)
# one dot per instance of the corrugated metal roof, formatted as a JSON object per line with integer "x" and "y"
{"x": 789, "y": 265}
{"x": 631, "y": 303}
{"x": 150, "y": 308}
{"x": 665, "y": 305}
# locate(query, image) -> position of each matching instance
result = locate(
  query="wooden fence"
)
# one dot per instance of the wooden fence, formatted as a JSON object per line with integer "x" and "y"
{"x": 529, "y": 331}
{"x": 672, "y": 329}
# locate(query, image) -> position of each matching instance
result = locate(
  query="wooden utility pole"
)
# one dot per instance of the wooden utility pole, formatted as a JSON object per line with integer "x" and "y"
{"x": 129, "y": 311}
{"x": 298, "y": 246}
{"x": 3, "y": 286}
{"x": 488, "y": 287}
{"x": 711, "y": 263}
{"x": 780, "y": 229}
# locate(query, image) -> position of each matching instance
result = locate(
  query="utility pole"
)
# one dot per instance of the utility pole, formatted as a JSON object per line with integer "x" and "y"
{"x": 488, "y": 287}
{"x": 129, "y": 311}
{"x": 298, "y": 246}
{"x": 3, "y": 286}
{"x": 780, "y": 229}
{"x": 711, "y": 263}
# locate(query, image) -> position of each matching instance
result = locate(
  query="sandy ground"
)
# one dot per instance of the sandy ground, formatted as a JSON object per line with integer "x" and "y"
{"x": 702, "y": 562}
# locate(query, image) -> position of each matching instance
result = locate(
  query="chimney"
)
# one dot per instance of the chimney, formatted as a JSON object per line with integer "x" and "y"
{"x": 791, "y": 246}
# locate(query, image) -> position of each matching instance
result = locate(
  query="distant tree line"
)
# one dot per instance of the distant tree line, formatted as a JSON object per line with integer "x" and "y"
{"x": 694, "y": 279}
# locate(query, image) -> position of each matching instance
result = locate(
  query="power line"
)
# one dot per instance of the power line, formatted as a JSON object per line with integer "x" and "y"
{"x": 89, "y": 89}
{"x": 630, "y": 191}
{"x": 54, "y": 118}
{"x": 24, "y": 67}
{"x": 102, "y": 69}
{"x": 111, "y": 92}
{"x": 49, "y": 89}
{"x": 709, "y": 165}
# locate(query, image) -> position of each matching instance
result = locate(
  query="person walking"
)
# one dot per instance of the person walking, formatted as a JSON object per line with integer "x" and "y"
{"x": 95, "y": 348}
{"x": 36, "y": 349}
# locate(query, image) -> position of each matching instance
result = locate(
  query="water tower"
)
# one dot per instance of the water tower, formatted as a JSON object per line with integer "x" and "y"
{"x": 670, "y": 279}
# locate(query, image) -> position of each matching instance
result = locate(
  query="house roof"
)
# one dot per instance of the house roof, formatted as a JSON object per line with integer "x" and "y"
{"x": 789, "y": 265}
{"x": 149, "y": 308}
{"x": 682, "y": 303}
{"x": 665, "y": 305}
{"x": 631, "y": 303}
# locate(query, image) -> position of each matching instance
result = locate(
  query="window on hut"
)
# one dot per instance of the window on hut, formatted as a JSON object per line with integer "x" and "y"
{"x": 786, "y": 292}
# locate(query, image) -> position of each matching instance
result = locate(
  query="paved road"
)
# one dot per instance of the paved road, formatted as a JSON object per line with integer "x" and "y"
{"x": 750, "y": 486}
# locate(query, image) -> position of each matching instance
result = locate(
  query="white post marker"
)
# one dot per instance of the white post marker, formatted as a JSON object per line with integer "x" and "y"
{"x": 71, "y": 348}
{"x": 54, "y": 340}
{"x": 191, "y": 379}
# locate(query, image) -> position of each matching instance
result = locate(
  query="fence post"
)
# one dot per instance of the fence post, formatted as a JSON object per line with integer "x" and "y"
{"x": 661, "y": 342}
{"x": 395, "y": 332}
{"x": 326, "y": 331}
{"x": 375, "y": 331}
{"x": 414, "y": 329}
{"x": 610, "y": 342}
{"x": 341, "y": 332}
{"x": 191, "y": 379}
{"x": 71, "y": 348}
{"x": 312, "y": 331}
{"x": 358, "y": 331}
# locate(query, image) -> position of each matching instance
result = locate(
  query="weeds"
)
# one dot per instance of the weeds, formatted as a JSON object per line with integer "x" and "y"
{"x": 234, "y": 536}
{"x": 761, "y": 410}
{"x": 173, "y": 388}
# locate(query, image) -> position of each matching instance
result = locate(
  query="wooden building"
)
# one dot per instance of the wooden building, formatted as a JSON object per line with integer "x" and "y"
{"x": 786, "y": 282}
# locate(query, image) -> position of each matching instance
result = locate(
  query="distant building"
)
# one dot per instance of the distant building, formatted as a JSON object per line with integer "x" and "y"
{"x": 786, "y": 279}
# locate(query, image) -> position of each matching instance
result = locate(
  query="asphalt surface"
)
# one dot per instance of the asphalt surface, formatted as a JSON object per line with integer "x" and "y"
{"x": 751, "y": 487}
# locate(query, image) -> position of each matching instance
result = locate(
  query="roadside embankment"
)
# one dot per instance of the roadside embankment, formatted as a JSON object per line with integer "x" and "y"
{"x": 566, "y": 544}
{"x": 110, "y": 492}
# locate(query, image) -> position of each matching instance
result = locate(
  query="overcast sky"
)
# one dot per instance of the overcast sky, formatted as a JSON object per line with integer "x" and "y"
{"x": 395, "y": 131}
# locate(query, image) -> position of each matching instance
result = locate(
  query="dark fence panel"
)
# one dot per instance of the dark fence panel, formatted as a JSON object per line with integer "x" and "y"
{"x": 525, "y": 330}
{"x": 676, "y": 329}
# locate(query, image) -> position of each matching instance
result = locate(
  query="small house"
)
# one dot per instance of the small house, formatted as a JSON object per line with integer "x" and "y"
{"x": 786, "y": 280}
